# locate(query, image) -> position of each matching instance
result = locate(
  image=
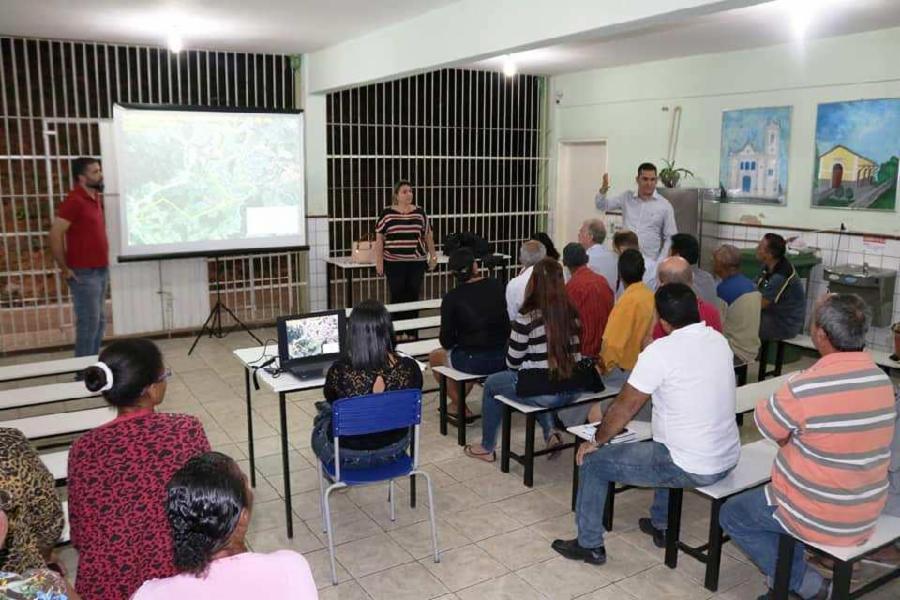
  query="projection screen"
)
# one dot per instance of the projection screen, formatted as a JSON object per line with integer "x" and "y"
{"x": 194, "y": 182}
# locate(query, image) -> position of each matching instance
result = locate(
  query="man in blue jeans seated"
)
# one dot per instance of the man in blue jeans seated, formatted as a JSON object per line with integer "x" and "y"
{"x": 690, "y": 375}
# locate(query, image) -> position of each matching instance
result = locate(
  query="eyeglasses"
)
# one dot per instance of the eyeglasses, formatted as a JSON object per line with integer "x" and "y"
{"x": 167, "y": 372}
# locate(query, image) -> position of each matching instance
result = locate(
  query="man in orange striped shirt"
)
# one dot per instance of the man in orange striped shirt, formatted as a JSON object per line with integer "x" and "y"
{"x": 834, "y": 423}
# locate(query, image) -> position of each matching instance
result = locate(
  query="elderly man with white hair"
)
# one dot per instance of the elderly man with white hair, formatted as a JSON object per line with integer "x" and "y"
{"x": 530, "y": 253}
{"x": 601, "y": 260}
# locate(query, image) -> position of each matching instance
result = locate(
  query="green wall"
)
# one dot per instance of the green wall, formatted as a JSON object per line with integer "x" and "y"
{"x": 624, "y": 106}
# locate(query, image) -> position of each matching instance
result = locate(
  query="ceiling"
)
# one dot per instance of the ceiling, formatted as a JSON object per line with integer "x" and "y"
{"x": 739, "y": 29}
{"x": 278, "y": 26}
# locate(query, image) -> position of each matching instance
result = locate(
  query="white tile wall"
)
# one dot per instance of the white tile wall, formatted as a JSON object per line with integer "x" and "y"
{"x": 317, "y": 228}
{"x": 833, "y": 250}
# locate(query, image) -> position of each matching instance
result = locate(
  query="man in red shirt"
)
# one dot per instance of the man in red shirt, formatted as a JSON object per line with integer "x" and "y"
{"x": 80, "y": 248}
{"x": 677, "y": 270}
{"x": 592, "y": 296}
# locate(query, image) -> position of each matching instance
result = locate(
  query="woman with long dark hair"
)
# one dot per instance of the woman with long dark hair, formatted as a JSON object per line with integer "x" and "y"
{"x": 370, "y": 365}
{"x": 208, "y": 507}
{"x": 118, "y": 474}
{"x": 543, "y": 354}
{"x": 474, "y": 325}
{"x": 404, "y": 245}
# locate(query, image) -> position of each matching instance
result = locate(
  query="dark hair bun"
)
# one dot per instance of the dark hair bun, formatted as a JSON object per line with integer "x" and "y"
{"x": 94, "y": 379}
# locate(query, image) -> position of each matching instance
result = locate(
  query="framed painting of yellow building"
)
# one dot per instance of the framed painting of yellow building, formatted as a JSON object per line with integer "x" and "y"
{"x": 857, "y": 145}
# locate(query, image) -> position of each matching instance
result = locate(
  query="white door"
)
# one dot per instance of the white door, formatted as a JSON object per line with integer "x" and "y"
{"x": 581, "y": 169}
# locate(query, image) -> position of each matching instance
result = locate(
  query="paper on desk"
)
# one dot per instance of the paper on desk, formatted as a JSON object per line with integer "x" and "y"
{"x": 588, "y": 431}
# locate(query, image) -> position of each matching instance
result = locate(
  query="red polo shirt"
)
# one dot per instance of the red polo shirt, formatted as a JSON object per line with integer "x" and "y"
{"x": 86, "y": 243}
{"x": 593, "y": 298}
{"x": 709, "y": 314}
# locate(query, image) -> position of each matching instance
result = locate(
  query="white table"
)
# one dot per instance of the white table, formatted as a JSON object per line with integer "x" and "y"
{"x": 46, "y": 368}
{"x": 62, "y": 423}
{"x": 749, "y": 395}
{"x": 880, "y": 357}
{"x": 44, "y": 394}
{"x": 283, "y": 384}
{"x": 346, "y": 266}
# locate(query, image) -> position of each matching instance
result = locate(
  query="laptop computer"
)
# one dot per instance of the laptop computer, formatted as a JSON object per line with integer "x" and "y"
{"x": 308, "y": 344}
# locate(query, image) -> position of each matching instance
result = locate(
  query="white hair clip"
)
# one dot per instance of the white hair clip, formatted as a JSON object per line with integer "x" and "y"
{"x": 109, "y": 376}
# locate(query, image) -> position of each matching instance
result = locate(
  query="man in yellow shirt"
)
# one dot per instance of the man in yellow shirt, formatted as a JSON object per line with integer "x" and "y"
{"x": 629, "y": 322}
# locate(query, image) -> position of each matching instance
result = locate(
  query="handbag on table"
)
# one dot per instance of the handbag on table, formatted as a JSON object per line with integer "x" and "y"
{"x": 363, "y": 250}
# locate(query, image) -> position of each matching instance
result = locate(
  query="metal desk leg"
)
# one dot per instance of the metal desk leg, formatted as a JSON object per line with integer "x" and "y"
{"x": 714, "y": 552}
{"x": 673, "y": 529}
{"x": 348, "y": 291}
{"x": 782, "y": 583}
{"x": 286, "y": 464}
{"x": 505, "y": 441}
{"x": 841, "y": 573}
{"x": 610, "y": 506}
{"x": 250, "y": 428}
{"x": 575, "y": 473}
{"x": 461, "y": 414}
{"x": 529, "y": 450}
{"x": 442, "y": 403}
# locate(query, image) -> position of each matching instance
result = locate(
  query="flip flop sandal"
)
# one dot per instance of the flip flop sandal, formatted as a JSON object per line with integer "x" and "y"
{"x": 553, "y": 444}
{"x": 482, "y": 456}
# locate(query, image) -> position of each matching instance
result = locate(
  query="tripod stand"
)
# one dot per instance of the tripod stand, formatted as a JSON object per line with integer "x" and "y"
{"x": 213, "y": 323}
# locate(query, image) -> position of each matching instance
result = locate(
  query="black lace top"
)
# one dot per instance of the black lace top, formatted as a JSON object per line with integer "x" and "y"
{"x": 343, "y": 381}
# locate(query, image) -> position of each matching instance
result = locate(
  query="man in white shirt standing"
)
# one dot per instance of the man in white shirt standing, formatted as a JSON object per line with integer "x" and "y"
{"x": 695, "y": 438}
{"x": 530, "y": 253}
{"x": 601, "y": 260}
{"x": 646, "y": 213}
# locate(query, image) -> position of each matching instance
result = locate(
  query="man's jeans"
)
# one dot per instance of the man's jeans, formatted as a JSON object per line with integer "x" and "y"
{"x": 89, "y": 301}
{"x": 748, "y": 519}
{"x": 645, "y": 464}
{"x": 504, "y": 384}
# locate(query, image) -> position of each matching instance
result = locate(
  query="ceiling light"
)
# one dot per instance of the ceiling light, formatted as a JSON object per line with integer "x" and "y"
{"x": 509, "y": 66}
{"x": 175, "y": 43}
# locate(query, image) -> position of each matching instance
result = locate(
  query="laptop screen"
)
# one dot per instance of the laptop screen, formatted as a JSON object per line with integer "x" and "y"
{"x": 312, "y": 336}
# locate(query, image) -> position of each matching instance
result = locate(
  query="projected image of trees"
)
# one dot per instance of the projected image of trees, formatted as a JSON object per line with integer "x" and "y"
{"x": 194, "y": 179}
{"x": 312, "y": 336}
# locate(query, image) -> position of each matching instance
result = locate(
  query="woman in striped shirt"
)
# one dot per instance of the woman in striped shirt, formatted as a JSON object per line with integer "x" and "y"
{"x": 543, "y": 354}
{"x": 403, "y": 237}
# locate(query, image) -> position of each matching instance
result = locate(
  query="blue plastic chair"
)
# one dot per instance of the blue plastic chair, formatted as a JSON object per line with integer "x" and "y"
{"x": 362, "y": 415}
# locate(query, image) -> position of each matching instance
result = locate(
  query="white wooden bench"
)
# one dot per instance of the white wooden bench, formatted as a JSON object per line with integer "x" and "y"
{"x": 44, "y": 394}
{"x": 754, "y": 468}
{"x": 881, "y": 358}
{"x": 408, "y": 306}
{"x": 58, "y": 464}
{"x": 419, "y": 347}
{"x": 45, "y": 426}
{"x": 418, "y": 323}
{"x": 887, "y": 531}
{"x": 66, "y": 535}
{"x": 46, "y": 368}
{"x": 459, "y": 379}
{"x": 749, "y": 395}
{"x": 531, "y": 413}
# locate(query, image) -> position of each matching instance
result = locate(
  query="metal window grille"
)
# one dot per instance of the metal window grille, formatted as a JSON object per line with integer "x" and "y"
{"x": 471, "y": 143}
{"x": 52, "y": 96}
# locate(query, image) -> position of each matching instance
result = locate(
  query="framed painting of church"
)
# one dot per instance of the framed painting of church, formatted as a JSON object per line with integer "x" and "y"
{"x": 753, "y": 163}
{"x": 857, "y": 145}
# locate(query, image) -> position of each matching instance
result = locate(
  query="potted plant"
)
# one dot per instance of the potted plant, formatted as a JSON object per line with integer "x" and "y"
{"x": 670, "y": 175}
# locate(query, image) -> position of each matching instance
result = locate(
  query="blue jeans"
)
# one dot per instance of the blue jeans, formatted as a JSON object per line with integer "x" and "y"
{"x": 645, "y": 464}
{"x": 504, "y": 384}
{"x": 89, "y": 302}
{"x": 323, "y": 447}
{"x": 477, "y": 362}
{"x": 748, "y": 519}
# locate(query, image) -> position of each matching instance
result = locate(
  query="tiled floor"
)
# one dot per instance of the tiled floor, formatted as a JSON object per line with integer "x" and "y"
{"x": 494, "y": 533}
